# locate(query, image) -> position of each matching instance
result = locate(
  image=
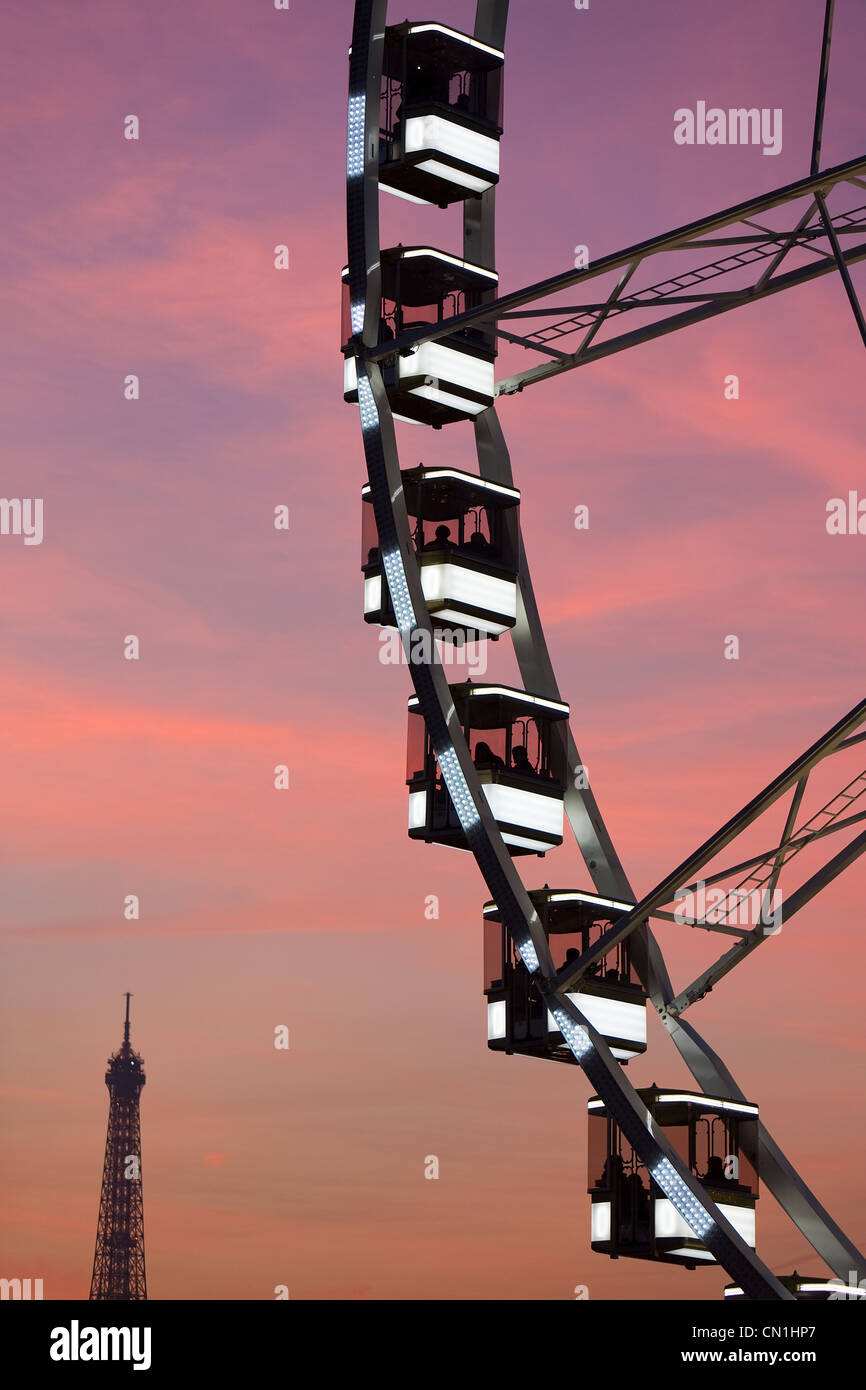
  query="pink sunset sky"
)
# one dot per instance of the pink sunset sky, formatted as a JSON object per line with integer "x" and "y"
{"x": 155, "y": 777}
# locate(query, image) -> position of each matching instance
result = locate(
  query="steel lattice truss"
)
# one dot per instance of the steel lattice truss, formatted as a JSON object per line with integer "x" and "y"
{"x": 118, "y": 1263}
{"x": 747, "y": 894}
{"x": 721, "y": 262}
{"x": 757, "y": 261}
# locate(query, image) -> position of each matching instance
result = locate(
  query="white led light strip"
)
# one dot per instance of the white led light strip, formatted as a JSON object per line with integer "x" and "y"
{"x": 577, "y": 1038}
{"x": 450, "y": 260}
{"x": 355, "y": 137}
{"x": 455, "y": 34}
{"x": 668, "y": 1179}
{"x": 742, "y": 1109}
{"x": 591, "y": 898}
{"x": 435, "y": 474}
{"x": 520, "y": 696}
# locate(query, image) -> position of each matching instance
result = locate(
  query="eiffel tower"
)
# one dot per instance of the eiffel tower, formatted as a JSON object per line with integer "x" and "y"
{"x": 118, "y": 1264}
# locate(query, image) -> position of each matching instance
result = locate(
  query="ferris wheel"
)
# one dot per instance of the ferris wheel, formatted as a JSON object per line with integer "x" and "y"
{"x": 495, "y": 770}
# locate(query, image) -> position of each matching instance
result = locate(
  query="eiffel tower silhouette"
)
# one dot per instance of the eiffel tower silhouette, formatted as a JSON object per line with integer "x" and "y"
{"x": 118, "y": 1263}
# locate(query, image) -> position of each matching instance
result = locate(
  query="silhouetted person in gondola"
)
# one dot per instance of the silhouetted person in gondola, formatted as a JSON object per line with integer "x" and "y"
{"x": 485, "y": 756}
{"x": 478, "y": 542}
{"x": 520, "y": 762}
{"x": 613, "y": 1172}
{"x": 715, "y": 1170}
{"x": 442, "y": 539}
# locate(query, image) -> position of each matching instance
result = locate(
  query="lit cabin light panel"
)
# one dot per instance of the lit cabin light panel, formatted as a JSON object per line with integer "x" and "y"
{"x": 508, "y": 805}
{"x": 456, "y": 615}
{"x": 592, "y": 899}
{"x": 523, "y": 842}
{"x": 449, "y": 138}
{"x": 456, "y": 176}
{"x": 432, "y": 252}
{"x": 496, "y": 1019}
{"x": 840, "y": 1292}
{"x": 466, "y": 39}
{"x": 373, "y": 593}
{"x": 599, "y": 1222}
{"x": 452, "y": 369}
{"x": 671, "y": 1225}
{"x": 521, "y": 697}
{"x": 460, "y": 369}
{"x": 480, "y": 484}
{"x": 373, "y": 604}
{"x": 742, "y": 1107}
{"x": 417, "y": 810}
{"x": 529, "y": 810}
{"x": 409, "y": 197}
{"x": 613, "y": 1018}
{"x": 832, "y": 1288}
{"x": 448, "y": 398}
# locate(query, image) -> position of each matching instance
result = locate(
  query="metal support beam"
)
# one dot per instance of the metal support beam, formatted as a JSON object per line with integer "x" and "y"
{"x": 843, "y": 268}
{"x": 803, "y": 275}
{"x": 818, "y": 132}
{"x": 710, "y": 977}
{"x": 525, "y": 343}
{"x": 669, "y": 241}
{"x": 797, "y": 842}
{"x": 667, "y": 890}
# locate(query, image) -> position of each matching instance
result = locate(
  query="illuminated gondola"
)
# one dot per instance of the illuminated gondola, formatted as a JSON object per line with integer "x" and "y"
{"x": 439, "y": 382}
{"x": 466, "y": 550}
{"x": 631, "y": 1215}
{"x": 609, "y": 994}
{"x": 441, "y": 114}
{"x": 517, "y": 743}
